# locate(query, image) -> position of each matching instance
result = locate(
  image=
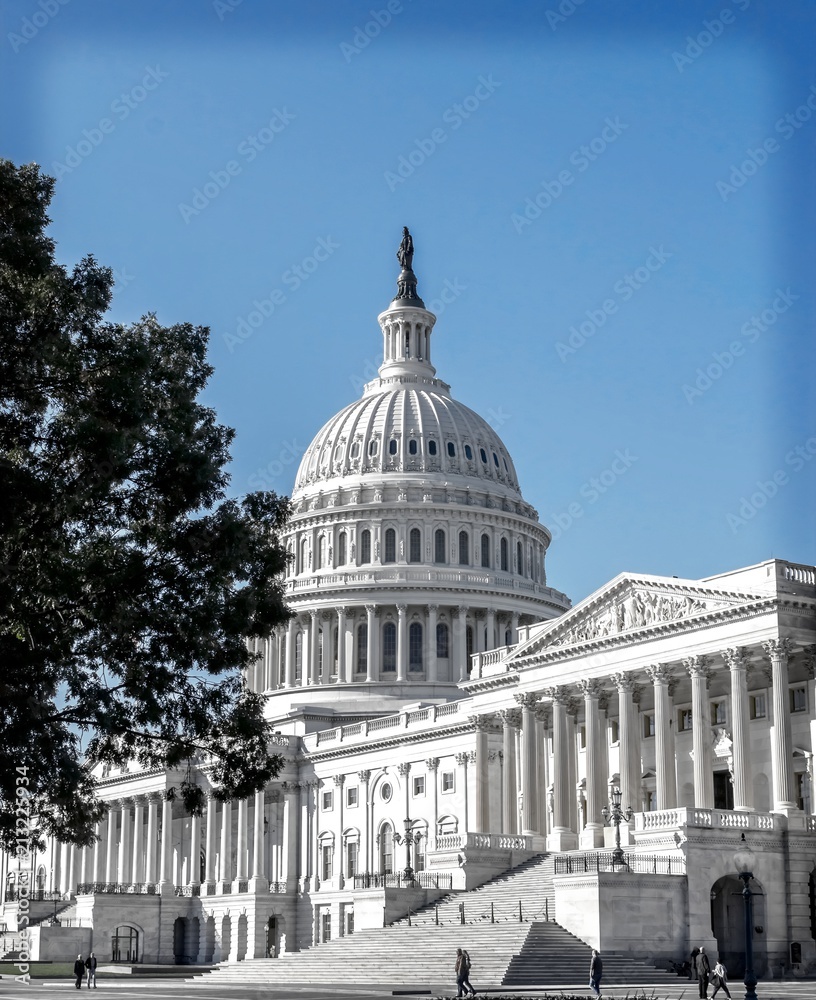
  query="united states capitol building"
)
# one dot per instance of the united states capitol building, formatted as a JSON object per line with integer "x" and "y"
{"x": 444, "y": 715}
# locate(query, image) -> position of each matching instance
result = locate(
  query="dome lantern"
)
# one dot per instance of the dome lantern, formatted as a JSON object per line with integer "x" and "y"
{"x": 406, "y": 324}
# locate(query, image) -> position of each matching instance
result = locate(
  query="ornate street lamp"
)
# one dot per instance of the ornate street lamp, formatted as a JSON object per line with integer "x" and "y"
{"x": 616, "y": 815}
{"x": 408, "y": 838}
{"x": 744, "y": 862}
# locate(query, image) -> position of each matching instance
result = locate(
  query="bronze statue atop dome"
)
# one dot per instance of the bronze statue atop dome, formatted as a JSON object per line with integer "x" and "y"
{"x": 405, "y": 253}
{"x": 407, "y": 282}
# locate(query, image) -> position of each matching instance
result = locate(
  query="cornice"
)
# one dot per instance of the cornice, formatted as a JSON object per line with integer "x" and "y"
{"x": 402, "y": 739}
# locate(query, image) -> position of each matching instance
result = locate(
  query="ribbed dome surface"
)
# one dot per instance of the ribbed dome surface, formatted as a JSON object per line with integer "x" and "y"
{"x": 407, "y": 428}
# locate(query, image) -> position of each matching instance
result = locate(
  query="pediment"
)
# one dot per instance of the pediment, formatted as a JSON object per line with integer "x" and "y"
{"x": 629, "y": 604}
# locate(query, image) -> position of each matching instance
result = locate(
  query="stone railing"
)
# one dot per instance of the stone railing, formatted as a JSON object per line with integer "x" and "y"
{"x": 799, "y": 573}
{"x": 128, "y": 888}
{"x": 277, "y": 887}
{"x": 721, "y": 819}
{"x": 493, "y": 841}
{"x": 35, "y": 895}
{"x": 188, "y": 890}
{"x": 420, "y": 718}
{"x": 594, "y": 862}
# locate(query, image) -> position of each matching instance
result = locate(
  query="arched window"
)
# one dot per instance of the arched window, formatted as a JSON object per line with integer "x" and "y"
{"x": 451, "y": 449}
{"x": 365, "y": 546}
{"x": 507, "y": 636}
{"x": 483, "y": 455}
{"x": 520, "y": 559}
{"x": 468, "y": 452}
{"x": 390, "y": 546}
{"x": 304, "y": 555}
{"x": 504, "y": 556}
{"x": 341, "y": 549}
{"x": 321, "y": 552}
{"x": 415, "y": 546}
{"x": 486, "y": 551}
{"x": 464, "y": 549}
{"x": 386, "y": 839}
{"x": 40, "y": 881}
{"x": 415, "y": 646}
{"x": 439, "y": 546}
{"x": 355, "y": 449}
{"x": 389, "y": 647}
{"x": 442, "y": 641}
{"x": 362, "y": 648}
{"x": 412, "y": 447}
{"x": 432, "y": 447}
{"x": 372, "y": 447}
{"x": 298, "y": 656}
{"x": 125, "y": 944}
{"x": 392, "y": 446}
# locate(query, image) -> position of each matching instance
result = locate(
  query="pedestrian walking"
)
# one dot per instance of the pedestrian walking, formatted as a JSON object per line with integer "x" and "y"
{"x": 79, "y": 971}
{"x": 703, "y": 972}
{"x": 595, "y": 972}
{"x": 463, "y": 983}
{"x": 693, "y": 963}
{"x": 90, "y": 965}
{"x": 720, "y": 980}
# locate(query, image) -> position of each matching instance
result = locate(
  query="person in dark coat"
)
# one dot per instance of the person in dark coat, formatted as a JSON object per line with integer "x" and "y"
{"x": 90, "y": 965}
{"x": 693, "y": 963}
{"x": 703, "y": 972}
{"x": 79, "y": 971}
{"x": 463, "y": 974}
{"x": 595, "y": 972}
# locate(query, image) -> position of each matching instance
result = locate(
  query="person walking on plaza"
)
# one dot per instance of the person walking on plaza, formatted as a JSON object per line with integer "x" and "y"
{"x": 79, "y": 971}
{"x": 693, "y": 963}
{"x": 703, "y": 972}
{"x": 463, "y": 983}
{"x": 720, "y": 980}
{"x": 90, "y": 965}
{"x": 595, "y": 972}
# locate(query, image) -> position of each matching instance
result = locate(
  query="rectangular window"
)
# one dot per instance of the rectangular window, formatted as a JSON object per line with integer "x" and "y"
{"x": 326, "y": 866}
{"x": 352, "y": 853}
{"x": 684, "y": 724}
{"x": 648, "y": 725}
{"x": 757, "y": 706}
{"x": 613, "y": 731}
{"x": 419, "y": 785}
{"x": 447, "y": 781}
{"x": 798, "y": 699}
{"x": 799, "y": 786}
{"x": 327, "y": 801}
{"x": 325, "y": 926}
{"x": 717, "y": 713}
{"x": 351, "y": 796}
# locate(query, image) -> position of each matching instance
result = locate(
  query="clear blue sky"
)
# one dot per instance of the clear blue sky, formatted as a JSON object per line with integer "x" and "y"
{"x": 486, "y": 108}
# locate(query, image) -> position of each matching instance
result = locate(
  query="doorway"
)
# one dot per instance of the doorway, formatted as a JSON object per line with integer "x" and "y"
{"x": 728, "y": 925}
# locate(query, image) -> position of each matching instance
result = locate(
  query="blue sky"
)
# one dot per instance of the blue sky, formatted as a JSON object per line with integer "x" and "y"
{"x": 612, "y": 206}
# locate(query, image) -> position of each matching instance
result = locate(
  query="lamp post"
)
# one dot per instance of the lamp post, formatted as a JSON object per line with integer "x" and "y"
{"x": 616, "y": 815}
{"x": 408, "y": 838}
{"x": 744, "y": 862}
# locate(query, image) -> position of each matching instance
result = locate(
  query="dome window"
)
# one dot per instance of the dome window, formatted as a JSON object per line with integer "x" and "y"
{"x": 504, "y": 555}
{"x": 495, "y": 459}
{"x": 505, "y": 466}
{"x": 341, "y": 549}
{"x": 372, "y": 447}
{"x": 483, "y": 454}
{"x": 486, "y": 551}
{"x": 468, "y": 452}
{"x": 389, "y": 659}
{"x": 365, "y": 546}
{"x": 432, "y": 447}
{"x": 415, "y": 546}
{"x": 390, "y": 546}
{"x": 451, "y": 449}
{"x": 415, "y": 647}
{"x": 442, "y": 645}
{"x": 439, "y": 546}
{"x": 392, "y": 446}
{"x": 464, "y": 549}
{"x": 412, "y": 447}
{"x": 355, "y": 449}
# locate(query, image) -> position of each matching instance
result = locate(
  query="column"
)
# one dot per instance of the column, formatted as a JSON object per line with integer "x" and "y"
{"x": 736, "y": 660}
{"x": 529, "y": 765}
{"x": 479, "y": 639}
{"x": 665, "y": 769}
{"x": 224, "y": 855}
{"x": 98, "y": 864}
{"x": 64, "y": 885}
{"x": 514, "y": 625}
{"x": 166, "y": 847}
{"x": 314, "y": 647}
{"x": 258, "y": 868}
{"x": 125, "y": 830}
{"x": 304, "y": 833}
{"x": 463, "y": 759}
{"x": 339, "y": 861}
{"x": 432, "y": 672}
{"x": 152, "y": 834}
{"x": 111, "y": 872}
{"x": 328, "y": 647}
{"x": 371, "y": 638}
{"x": 460, "y": 641}
{"x": 342, "y": 670}
{"x": 432, "y": 764}
{"x": 542, "y": 717}
{"x": 241, "y": 845}
{"x": 364, "y": 860}
{"x": 592, "y": 835}
{"x": 698, "y": 670}
{"x": 561, "y": 837}
{"x": 288, "y": 869}
{"x": 510, "y": 721}
{"x": 482, "y": 726}
{"x": 572, "y": 743}
{"x": 209, "y": 843}
{"x": 72, "y": 869}
{"x": 137, "y": 867}
{"x": 491, "y": 630}
{"x": 629, "y": 764}
{"x": 778, "y": 651}
{"x": 402, "y": 644}
{"x": 195, "y": 850}
{"x": 291, "y": 633}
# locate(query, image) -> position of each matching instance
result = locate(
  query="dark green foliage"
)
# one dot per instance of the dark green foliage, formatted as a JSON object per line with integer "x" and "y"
{"x": 128, "y": 582}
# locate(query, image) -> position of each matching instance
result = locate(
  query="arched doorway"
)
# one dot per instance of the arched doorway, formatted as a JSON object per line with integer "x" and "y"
{"x": 242, "y": 938}
{"x": 125, "y": 944}
{"x": 179, "y": 934}
{"x": 226, "y": 939}
{"x": 271, "y": 950}
{"x": 728, "y": 925}
{"x": 209, "y": 939}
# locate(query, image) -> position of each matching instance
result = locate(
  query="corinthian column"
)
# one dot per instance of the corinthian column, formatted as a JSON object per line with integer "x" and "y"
{"x": 698, "y": 669}
{"x": 561, "y": 837}
{"x": 778, "y": 651}
{"x": 431, "y": 643}
{"x": 241, "y": 845}
{"x": 258, "y": 867}
{"x": 629, "y": 768}
{"x": 152, "y": 837}
{"x": 342, "y": 671}
{"x": 314, "y": 648}
{"x": 166, "y": 847}
{"x": 737, "y": 662}
{"x": 137, "y": 868}
{"x": 371, "y": 640}
{"x": 482, "y": 724}
{"x": 209, "y": 849}
{"x": 511, "y": 719}
{"x": 529, "y": 764}
{"x": 592, "y": 834}
{"x": 291, "y": 635}
{"x": 225, "y": 854}
{"x": 460, "y": 643}
{"x": 110, "y": 852}
{"x": 402, "y": 644}
{"x": 665, "y": 774}
{"x": 542, "y": 716}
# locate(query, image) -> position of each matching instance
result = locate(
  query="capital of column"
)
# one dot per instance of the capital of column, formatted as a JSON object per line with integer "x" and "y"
{"x": 403, "y": 768}
{"x": 364, "y": 776}
{"x": 401, "y": 609}
{"x": 590, "y": 687}
{"x": 495, "y": 755}
{"x": 659, "y": 673}
{"x": 462, "y": 610}
{"x": 511, "y": 717}
{"x": 481, "y": 723}
{"x": 736, "y": 658}
{"x": 528, "y": 700}
{"x": 559, "y": 694}
{"x": 371, "y": 609}
{"x": 543, "y": 714}
{"x": 625, "y": 683}
{"x": 778, "y": 648}
{"x": 155, "y": 796}
{"x": 432, "y": 609}
{"x": 314, "y": 614}
{"x": 698, "y": 666}
{"x": 471, "y": 756}
{"x": 432, "y": 763}
{"x": 339, "y": 779}
{"x": 462, "y": 759}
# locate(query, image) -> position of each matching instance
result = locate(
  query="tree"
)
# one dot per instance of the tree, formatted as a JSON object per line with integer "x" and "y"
{"x": 129, "y": 582}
